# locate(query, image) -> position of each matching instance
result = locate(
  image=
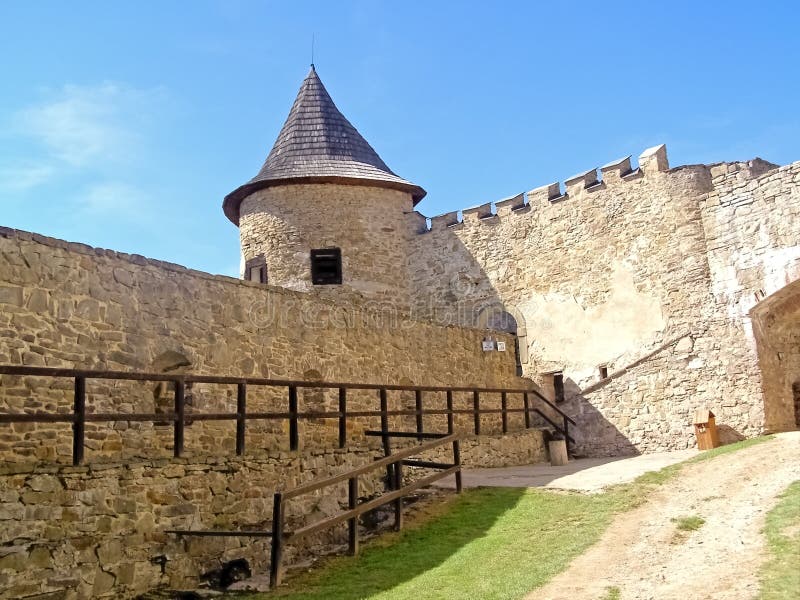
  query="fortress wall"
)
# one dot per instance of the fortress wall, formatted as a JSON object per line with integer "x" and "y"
{"x": 602, "y": 272}
{"x": 751, "y": 220}
{"x": 70, "y": 305}
{"x": 283, "y": 223}
{"x": 98, "y": 530}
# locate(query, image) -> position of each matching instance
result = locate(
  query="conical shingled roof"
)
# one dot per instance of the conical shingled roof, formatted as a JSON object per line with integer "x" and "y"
{"x": 318, "y": 144}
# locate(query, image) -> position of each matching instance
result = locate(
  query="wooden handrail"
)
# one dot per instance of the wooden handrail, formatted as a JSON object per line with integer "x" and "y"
{"x": 370, "y": 505}
{"x": 382, "y": 462}
{"x": 180, "y": 416}
{"x": 396, "y": 494}
{"x": 189, "y": 378}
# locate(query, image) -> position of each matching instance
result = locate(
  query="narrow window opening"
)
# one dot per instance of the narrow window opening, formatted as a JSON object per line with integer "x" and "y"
{"x": 256, "y": 269}
{"x": 326, "y": 266}
{"x": 603, "y": 371}
{"x": 558, "y": 386}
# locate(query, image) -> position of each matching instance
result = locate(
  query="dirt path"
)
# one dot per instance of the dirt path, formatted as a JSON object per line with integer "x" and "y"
{"x": 646, "y": 557}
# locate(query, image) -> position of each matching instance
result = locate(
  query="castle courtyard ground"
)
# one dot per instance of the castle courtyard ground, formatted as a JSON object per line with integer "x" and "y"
{"x": 591, "y": 475}
{"x": 644, "y": 554}
{"x": 696, "y": 528}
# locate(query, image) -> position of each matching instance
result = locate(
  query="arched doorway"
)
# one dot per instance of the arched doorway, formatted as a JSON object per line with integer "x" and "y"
{"x": 508, "y": 320}
{"x": 776, "y": 327}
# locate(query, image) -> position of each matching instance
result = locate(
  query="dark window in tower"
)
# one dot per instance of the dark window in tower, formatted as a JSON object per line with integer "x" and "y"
{"x": 326, "y": 266}
{"x": 255, "y": 269}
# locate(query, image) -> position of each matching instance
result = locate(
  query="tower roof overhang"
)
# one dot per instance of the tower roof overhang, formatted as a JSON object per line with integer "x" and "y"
{"x": 317, "y": 144}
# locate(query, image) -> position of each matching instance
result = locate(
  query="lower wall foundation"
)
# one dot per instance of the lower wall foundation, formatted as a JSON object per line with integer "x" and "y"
{"x": 99, "y": 530}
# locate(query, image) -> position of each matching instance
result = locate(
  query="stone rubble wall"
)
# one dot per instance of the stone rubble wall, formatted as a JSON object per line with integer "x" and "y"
{"x": 69, "y": 305}
{"x": 99, "y": 530}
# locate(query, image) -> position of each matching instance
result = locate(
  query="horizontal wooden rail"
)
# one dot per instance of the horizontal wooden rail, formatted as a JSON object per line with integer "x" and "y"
{"x": 404, "y": 434}
{"x": 381, "y": 462}
{"x": 182, "y": 414}
{"x": 370, "y": 505}
{"x": 190, "y": 378}
{"x": 355, "y": 509}
{"x": 219, "y": 533}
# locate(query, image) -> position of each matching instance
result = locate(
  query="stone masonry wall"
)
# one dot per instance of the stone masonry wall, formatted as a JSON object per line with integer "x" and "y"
{"x": 284, "y": 223}
{"x": 751, "y": 221}
{"x": 624, "y": 273}
{"x": 99, "y": 530}
{"x": 95, "y": 530}
{"x": 69, "y": 305}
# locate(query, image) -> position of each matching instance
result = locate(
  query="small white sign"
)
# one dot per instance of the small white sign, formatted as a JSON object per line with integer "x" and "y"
{"x": 501, "y": 346}
{"x": 488, "y": 345}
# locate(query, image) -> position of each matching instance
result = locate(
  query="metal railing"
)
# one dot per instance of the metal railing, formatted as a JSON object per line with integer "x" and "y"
{"x": 178, "y": 417}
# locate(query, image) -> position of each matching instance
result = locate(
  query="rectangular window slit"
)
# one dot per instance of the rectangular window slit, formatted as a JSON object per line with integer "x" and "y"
{"x": 326, "y": 266}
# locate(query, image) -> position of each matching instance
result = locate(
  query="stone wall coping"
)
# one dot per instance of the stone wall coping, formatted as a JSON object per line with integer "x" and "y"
{"x": 617, "y": 172}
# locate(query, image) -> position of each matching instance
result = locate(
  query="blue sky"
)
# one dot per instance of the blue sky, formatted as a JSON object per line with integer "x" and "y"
{"x": 123, "y": 125}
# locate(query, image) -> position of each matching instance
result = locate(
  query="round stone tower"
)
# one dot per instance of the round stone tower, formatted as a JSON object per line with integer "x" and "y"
{"x": 325, "y": 213}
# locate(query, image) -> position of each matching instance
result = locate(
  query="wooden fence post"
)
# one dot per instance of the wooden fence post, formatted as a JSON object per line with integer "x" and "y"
{"x": 241, "y": 416}
{"x": 178, "y": 425}
{"x": 79, "y": 423}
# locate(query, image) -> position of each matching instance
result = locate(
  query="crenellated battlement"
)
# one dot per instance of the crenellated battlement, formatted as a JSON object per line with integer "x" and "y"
{"x": 615, "y": 173}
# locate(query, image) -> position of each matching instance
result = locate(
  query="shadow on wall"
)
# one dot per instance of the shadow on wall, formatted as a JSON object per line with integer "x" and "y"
{"x": 457, "y": 290}
{"x": 594, "y": 434}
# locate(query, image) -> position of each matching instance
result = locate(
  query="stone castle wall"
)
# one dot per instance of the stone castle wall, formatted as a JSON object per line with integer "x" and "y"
{"x": 283, "y": 223}
{"x": 68, "y": 305}
{"x": 96, "y": 530}
{"x": 751, "y": 221}
{"x": 99, "y": 530}
{"x": 622, "y": 272}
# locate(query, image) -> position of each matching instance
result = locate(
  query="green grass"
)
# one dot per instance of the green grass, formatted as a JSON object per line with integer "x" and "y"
{"x": 487, "y": 544}
{"x": 780, "y": 576}
{"x": 691, "y": 523}
{"x": 612, "y": 593}
{"x": 490, "y": 543}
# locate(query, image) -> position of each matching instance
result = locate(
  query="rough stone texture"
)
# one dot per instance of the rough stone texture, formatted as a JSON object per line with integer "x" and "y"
{"x": 368, "y": 223}
{"x": 98, "y": 531}
{"x": 69, "y": 305}
{"x": 649, "y": 272}
{"x": 751, "y": 220}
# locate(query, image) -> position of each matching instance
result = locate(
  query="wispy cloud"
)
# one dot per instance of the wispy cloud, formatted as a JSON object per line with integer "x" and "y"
{"x": 86, "y": 125}
{"x": 113, "y": 197}
{"x": 21, "y": 177}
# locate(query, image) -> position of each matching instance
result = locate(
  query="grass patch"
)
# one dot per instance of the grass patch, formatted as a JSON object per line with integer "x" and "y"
{"x": 780, "y": 575}
{"x": 612, "y": 593}
{"x": 692, "y": 523}
{"x": 487, "y": 544}
{"x": 492, "y": 543}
